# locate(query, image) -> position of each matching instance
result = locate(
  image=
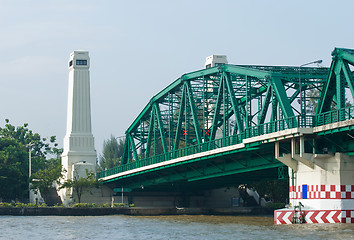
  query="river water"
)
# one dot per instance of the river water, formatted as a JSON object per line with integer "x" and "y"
{"x": 164, "y": 227}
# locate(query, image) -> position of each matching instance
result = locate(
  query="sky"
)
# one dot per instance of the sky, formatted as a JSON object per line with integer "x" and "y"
{"x": 137, "y": 48}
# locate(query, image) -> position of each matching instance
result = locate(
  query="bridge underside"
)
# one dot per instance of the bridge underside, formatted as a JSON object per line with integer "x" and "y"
{"x": 252, "y": 164}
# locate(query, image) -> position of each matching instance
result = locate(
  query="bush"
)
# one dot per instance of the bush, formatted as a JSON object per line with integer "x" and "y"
{"x": 4, "y": 204}
{"x": 80, "y": 205}
{"x": 275, "y": 205}
{"x": 119, "y": 205}
{"x": 58, "y": 205}
{"x": 22, "y": 205}
{"x": 19, "y": 205}
{"x": 30, "y": 205}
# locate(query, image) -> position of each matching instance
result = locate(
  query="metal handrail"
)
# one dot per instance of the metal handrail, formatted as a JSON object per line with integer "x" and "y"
{"x": 305, "y": 121}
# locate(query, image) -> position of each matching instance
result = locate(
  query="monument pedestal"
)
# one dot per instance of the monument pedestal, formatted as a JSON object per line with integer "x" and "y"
{"x": 323, "y": 185}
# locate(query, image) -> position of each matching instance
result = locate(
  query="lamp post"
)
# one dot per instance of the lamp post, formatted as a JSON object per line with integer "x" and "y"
{"x": 29, "y": 169}
{"x": 302, "y": 107}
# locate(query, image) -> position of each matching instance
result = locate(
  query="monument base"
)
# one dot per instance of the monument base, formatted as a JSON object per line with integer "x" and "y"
{"x": 286, "y": 216}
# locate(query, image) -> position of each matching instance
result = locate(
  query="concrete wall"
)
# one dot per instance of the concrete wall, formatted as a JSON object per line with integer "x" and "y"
{"x": 100, "y": 195}
{"x": 221, "y": 198}
{"x": 329, "y": 183}
{"x": 216, "y": 198}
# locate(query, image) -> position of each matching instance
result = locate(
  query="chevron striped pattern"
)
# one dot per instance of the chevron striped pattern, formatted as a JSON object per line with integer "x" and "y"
{"x": 315, "y": 216}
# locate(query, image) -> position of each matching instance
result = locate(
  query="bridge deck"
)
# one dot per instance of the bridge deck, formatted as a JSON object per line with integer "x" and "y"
{"x": 322, "y": 124}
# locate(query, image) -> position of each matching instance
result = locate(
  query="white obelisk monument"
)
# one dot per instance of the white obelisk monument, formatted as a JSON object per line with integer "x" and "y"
{"x": 79, "y": 152}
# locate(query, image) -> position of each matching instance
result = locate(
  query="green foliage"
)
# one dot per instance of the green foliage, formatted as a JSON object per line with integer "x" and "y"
{"x": 88, "y": 205}
{"x": 43, "y": 179}
{"x": 31, "y": 205}
{"x": 81, "y": 185}
{"x": 276, "y": 191}
{"x": 119, "y": 204}
{"x": 106, "y": 205}
{"x": 81, "y": 205}
{"x": 5, "y": 204}
{"x": 58, "y": 205}
{"x": 275, "y": 205}
{"x": 15, "y": 143}
{"x": 313, "y": 95}
{"x": 21, "y": 205}
{"x": 112, "y": 153}
{"x": 42, "y": 205}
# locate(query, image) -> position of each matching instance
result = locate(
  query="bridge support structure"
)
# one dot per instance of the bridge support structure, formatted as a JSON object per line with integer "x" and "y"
{"x": 321, "y": 186}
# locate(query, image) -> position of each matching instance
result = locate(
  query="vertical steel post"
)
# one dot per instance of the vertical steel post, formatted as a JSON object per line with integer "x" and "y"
{"x": 122, "y": 195}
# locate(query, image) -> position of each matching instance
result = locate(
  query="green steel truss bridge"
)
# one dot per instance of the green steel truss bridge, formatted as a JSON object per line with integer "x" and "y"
{"x": 217, "y": 126}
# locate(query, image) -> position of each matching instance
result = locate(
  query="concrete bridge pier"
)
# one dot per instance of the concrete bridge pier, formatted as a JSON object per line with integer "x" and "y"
{"x": 321, "y": 186}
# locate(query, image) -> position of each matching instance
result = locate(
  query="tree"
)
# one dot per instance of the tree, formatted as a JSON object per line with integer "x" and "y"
{"x": 112, "y": 153}
{"x": 81, "y": 184}
{"x": 43, "y": 179}
{"x": 14, "y": 147}
{"x": 275, "y": 190}
{"x": 313, "y": 95}
{"x": 13, "y": 170}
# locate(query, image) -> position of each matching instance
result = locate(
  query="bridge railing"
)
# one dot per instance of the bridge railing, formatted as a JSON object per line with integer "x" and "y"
{"x": 270, "y": 127}
{"x": 279, "y": 125}
{"x": 334, "y": 116}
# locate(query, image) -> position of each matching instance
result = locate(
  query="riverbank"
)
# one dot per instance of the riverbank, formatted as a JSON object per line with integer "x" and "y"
{"x": 134, "y": 211}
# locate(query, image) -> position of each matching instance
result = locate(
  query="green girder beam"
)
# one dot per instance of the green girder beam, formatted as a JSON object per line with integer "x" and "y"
{"x": 349, "y": 77}
{"x": 327, "y": 92}
{"x": 180, "y": 118}
{"x": 234, "y": 104}
{"x": 343, "y": 53}
{"x": 133, "y": 147}
{"x": 339, "y": 85}
{"x": 282, "y": 97}
{"x": 217, "y": 110}
{"x": 265, "y": 106}
{"x": 151, "y": 129}
{"x": 335, "y": 83}
{"x": 245, "y": 71}
{"x": 161, "y": 128}
{"x": 194, "y": 112}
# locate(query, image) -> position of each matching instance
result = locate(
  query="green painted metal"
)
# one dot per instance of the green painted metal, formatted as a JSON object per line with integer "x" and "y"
{"x": 194, "y": 112}
{"x": 184, "y": 118}
{"x": 124, "y": 190}
{"x": 234, "y": 103}
{"x": 211, "y": 99}
{"x": 161, "y": 128}
{"x": 217, "y": 116}
{"x": 283, "y": 172}
{"x": 282, "y": 97}
{"x": 180, "y": 118}
{"x": 263, "y": 111}
{"x": 132, "y": 146}
{"x": 339, "y": 78}
{"x": 151, "y": 128}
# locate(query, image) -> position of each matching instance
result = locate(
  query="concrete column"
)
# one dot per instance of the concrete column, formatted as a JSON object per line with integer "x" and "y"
{"x": 325, "y": 190}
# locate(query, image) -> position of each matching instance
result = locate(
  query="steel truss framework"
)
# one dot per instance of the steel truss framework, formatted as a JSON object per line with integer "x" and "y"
{"x": 340, "y": 77}
{"x": 227, "y": 100}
